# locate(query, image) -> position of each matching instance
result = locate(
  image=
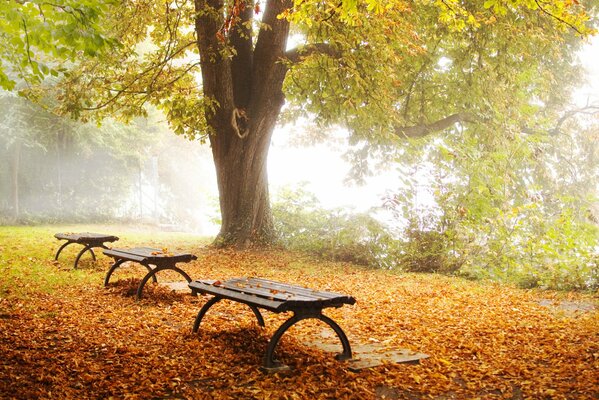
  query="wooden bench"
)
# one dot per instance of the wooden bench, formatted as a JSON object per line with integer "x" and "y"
{"x": 276, "y": 297}
{"x": 155, "y": 260}
{"x": 89, "y": 240}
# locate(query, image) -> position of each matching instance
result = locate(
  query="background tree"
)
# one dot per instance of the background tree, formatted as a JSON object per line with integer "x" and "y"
{"x": 63, "y": 170}
{"x": 520, "y": 208}
{"x": 408, "y": 68}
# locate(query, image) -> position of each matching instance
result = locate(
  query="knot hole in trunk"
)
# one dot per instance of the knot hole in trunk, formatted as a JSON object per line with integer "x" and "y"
{"x": 240, "y": 122}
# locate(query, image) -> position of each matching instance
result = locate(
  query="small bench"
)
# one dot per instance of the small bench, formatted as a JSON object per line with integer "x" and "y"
{"x": 155, "y": 260}
{"x": 276, "y": 297}
{"x": 89, "y": 240}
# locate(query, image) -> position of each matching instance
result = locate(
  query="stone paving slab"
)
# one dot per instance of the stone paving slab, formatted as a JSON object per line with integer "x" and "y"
{"x": 366, "y": 355}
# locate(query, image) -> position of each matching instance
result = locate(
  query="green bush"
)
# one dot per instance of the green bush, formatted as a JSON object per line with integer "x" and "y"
{"x": 530, "y": 248}
{"x": 302, "y": 224}
{"x": 428, "y": 251}
{"x": 521, "y": 245}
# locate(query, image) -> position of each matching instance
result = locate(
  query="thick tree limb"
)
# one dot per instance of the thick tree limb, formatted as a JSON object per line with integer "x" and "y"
{"x": 418, "y": 131}
{"x": 271, "y": 38}
{"x": 242, "y": 62}
{"x": 268, "y": 73}
{"x": 295, "y": 55}
{"x": 217, "y": 81}
{"x": 216, "y": 70}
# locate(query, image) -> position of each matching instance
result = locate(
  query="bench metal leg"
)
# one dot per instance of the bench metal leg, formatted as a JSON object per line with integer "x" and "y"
{"x": 270, "y": 364}
{"x": 86, "y": 248}
{"x": 258, "y": 315}
{"x": 114, "y": 266}
{"x": 61, "y": 248}
{"x": 213, "y": 301}
{"x": 203, "y": 310}
{"x": 152, "y": 274}
{"x": 118, "y": 264}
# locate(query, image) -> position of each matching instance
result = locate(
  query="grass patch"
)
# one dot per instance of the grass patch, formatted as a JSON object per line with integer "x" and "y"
{"x": 27, "y": 263}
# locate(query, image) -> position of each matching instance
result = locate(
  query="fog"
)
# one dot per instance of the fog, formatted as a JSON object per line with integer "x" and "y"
{"x": 55, "y": 170}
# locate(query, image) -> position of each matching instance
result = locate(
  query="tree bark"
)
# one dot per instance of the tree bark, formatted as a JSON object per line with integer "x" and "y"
{"x": 422, "y": 130}
{"x": 243, "y": 188}
{"x": 248, "y": 90}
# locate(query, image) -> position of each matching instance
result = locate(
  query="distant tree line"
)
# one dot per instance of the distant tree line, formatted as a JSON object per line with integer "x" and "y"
{"x": 60, "y": 170}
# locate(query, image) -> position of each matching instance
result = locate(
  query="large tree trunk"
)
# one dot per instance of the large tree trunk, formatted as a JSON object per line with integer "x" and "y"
{"x": 243, "y": 186}
{"x": 248, "y": 90}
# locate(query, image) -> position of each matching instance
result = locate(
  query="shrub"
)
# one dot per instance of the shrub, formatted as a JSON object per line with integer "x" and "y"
{"x": 302, "y": 224}
{"x": 429, "y": 251}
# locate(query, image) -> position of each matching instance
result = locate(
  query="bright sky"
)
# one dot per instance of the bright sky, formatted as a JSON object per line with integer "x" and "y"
{"x": 324, "y": 171}
{"x": 590, "y": 60}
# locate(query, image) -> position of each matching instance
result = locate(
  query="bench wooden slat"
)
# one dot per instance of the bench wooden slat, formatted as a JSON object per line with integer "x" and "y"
{"x": 264, "y": 290}
{"x": 124, "y": 255}
{"x": 149, "y": 255}
{"x": 289, "y": 298}
{"x": 237, "y": 285}
{"x": 86, "y": 237}
{"x": 299, "y": 293}
{"x": 208, "y": 287}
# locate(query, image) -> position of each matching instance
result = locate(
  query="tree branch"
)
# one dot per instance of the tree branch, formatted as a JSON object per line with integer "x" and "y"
{"x": 268, "y": 72}
{"x": 216, "y": 68}
{"x": 153, "y": 70}
{"x": 272, "y": 38}
{"x": 589, "y": 110}
{"x": 242, "y": 63}
{"x": 561, "y": 20}
{"x": 418, "y": 131}
{"x": 296, "y": 54}
{"x": 422, "y": 130}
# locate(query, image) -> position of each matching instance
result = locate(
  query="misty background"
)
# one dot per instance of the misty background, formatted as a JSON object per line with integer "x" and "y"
{"x": 59, "y": 170}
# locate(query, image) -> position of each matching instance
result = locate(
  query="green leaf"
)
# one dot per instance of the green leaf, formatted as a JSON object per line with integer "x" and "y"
{"x": 489, "y": 3}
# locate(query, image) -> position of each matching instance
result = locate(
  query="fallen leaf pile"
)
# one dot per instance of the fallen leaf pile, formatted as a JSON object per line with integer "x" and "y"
{"x": 484, "y": 340}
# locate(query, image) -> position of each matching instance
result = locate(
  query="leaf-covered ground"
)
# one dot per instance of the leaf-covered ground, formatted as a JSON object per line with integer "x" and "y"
{"x": 63, "y": 335}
